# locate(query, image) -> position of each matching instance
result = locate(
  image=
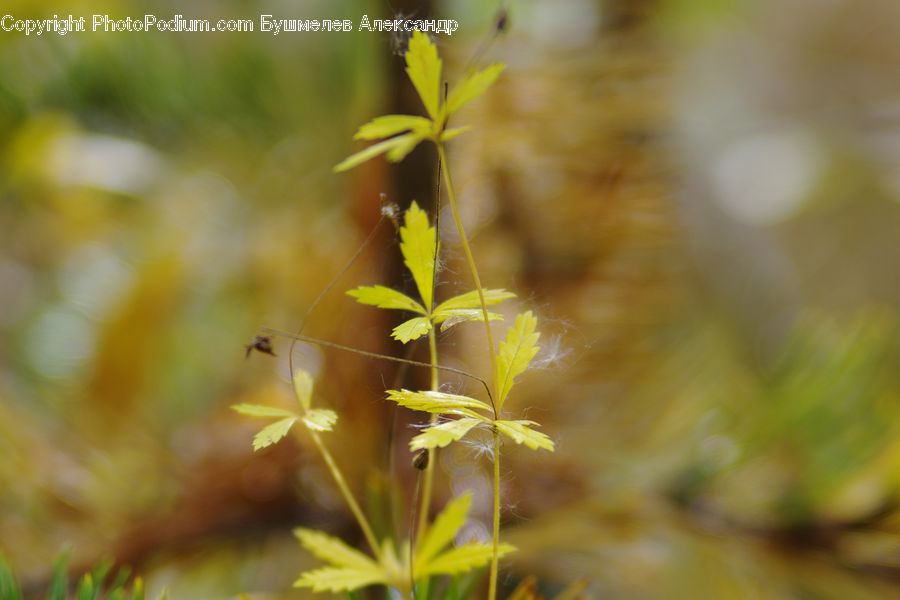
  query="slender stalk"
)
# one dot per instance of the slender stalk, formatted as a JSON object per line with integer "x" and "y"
{"x": 428, "y": 484}
{"x": 496, "y": 533}
{"x": 470, "y": 259}
{"x": 348, "y": 495}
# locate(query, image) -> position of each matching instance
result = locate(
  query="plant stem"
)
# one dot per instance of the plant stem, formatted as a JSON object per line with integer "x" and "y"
{"x": 495, "y": 538}
{"x": 451, "y": 195}
{"x": 428, "y": 485}
{"x": 348, "y": 495}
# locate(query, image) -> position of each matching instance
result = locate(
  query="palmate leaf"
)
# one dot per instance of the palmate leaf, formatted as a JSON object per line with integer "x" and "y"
{"x": 303, "y": 388}
{"x": 455, "y": 316}
{"x": 438, "y": 402}
{"x": 392, "y": 144}
{"x": 412, "y": 329}
{"x": 423, "y": 66}
{"x": 333, "y": 551}
{"x": 258, "y": 410}
{"x": 515, "y": 352}
{"x": 464, "y": 558}
{"x": 440, "y": 436}
{"x": 418, "y": 245}
{"x": 471, "y": 87}
{"x": 273, "y": 433}
{"x": 445, "y": 527}
{"x": 320, "y": 419}
{"x": 522, "y": 433}
{"x": 471, "y": 300}
{"x": 385, "y": 297}
{"x": 389, "y": 125}
{"x": 331, "y": 579}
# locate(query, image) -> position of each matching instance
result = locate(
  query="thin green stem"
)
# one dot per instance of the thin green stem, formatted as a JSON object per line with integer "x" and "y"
{"x": 495, "y": 538}
{"x": 348, "y": 495}
{"x": 428, "y": 484}
{"x": 470, "y": 259}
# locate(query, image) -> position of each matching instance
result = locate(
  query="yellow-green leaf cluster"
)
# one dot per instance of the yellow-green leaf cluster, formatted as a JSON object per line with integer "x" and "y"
{"x": 349, "y": 569}
{"x": 418, "y": 244}
{"x": 315, "y": 419}
{"x": 405, "y": 132}
{"x": 513, "y": 357}
{"x": 515, "y": 353}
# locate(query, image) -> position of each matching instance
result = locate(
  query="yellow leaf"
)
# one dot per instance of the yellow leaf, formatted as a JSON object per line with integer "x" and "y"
{"x": 439, "y": 436}
{"x": 455, "y": 316}
{"x": 412, "y": 329}
{"x": 462, "y": 559}
{"x": 471, "y": 87}
{"x": 516, "y": 351}
{"x": 522, "y": 433}
{"x": 449, "y": 134}
{"x": 320, "y": 419}
{"x": 389, "y": 125}
{"x": 303, "y": 388}
{"x": 258, "y": 410}
{"x": 438, "y": 402}
{"x": 372, "y": 151}
{"x": 273, "y": 433}
{"x": 418, "y": 245}
{"x": 411, "y": 140}
{"x": 330, "y": 579}
{"x": 333, "y": 550}
{"x": 423, "y": 66}
{"x": 471, "y": 300}
{"x": 384, "y": 297}
{"x": 445, "y": 527}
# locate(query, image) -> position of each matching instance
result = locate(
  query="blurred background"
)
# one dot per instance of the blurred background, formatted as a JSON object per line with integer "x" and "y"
{"x": 698, "y": 198}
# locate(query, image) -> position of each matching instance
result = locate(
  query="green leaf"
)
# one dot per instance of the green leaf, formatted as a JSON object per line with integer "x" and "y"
{"x": 137, "y": 589}
{"x": 516, "y": 351}
{"x": 449, "y": 134}
{"x": 399, "y": 152}
{"x": 423, "y": 66}
{"x": 320, "y": 419}
{"x": 329, "y": 579}
{"x": 9, "y": 587}
{"x": 471, "y": 87}
{"x": 385, "y": 297}
{"x": 418, "y": 242}
{"x": 412, "y": 329}
{"x": 333, "y": 551}
{"x": 60, "y": 582}
{"x": 439, "y": 436}
{"x": 85, "y": 589}
{"x": 471, "y": 300}
{"x": 372, "y": 151}
{"x": 272, "y": 434}
{"x": 464, "y": 558}
{"x": 454, "y": 316}
{"x": 522, "y": 433}
{"x": 390, "y": 125}
{"x": 258, "y": 410}
{"x": 445, "y": 527}
{"x": 438, "y": 402}
{"x": 303, "y": 388}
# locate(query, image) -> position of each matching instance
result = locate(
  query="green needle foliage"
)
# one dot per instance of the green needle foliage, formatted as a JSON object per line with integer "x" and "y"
{"x": 99, "y": 584}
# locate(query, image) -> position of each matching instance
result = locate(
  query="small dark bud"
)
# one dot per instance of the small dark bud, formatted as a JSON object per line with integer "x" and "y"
{"x": 420, "y": 460}
{"x": 260, "y": 343}
{"x": 502, "y": 22}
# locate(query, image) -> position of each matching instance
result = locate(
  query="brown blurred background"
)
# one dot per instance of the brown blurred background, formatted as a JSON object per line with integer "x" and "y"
{"x": 698, "y": 198}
